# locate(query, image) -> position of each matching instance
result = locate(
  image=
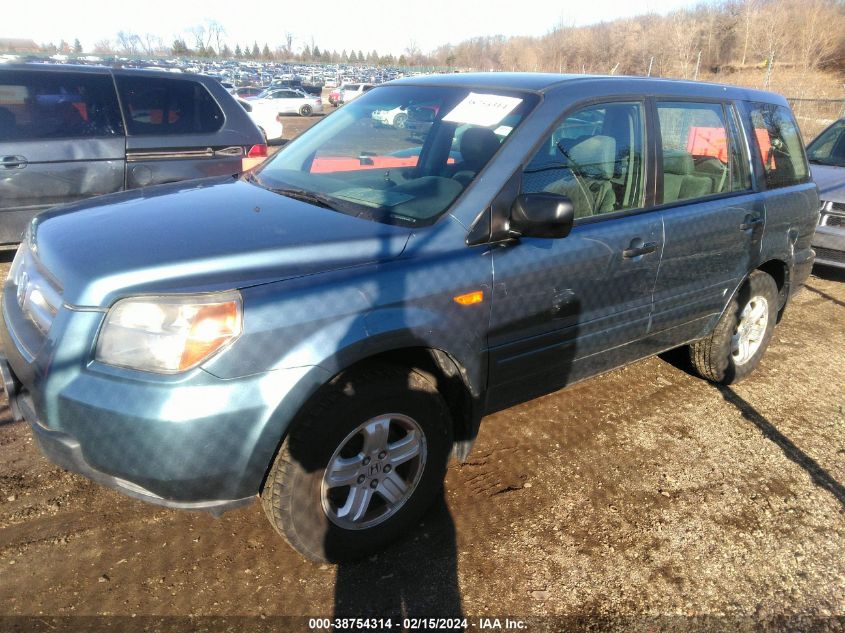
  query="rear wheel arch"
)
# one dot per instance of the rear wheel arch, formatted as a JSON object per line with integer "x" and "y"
{"x": 778, "y": 270}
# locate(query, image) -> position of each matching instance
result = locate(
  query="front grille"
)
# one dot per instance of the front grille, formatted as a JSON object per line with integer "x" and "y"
{"x": 38, "y": 294}
{"x": 830, "y": 255}
{"x": 829, "y": 219}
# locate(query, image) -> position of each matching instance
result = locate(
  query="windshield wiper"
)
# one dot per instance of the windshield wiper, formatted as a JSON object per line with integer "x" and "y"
{"x": 311, "y": 197}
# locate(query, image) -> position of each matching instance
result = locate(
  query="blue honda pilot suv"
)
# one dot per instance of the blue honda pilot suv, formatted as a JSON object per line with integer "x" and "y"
{"x": 327, "y": 329}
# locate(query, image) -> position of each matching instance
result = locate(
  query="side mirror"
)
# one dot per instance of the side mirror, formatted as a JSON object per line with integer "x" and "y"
{"x": 541, "y": 215}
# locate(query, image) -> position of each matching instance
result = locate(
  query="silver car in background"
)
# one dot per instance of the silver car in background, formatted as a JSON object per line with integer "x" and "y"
{"x": 827, "y": 159}
{"x": 288, "y": 101}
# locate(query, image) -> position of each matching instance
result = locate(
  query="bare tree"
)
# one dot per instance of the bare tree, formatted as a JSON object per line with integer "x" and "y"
{"x": 128, "y": 42}
{"x": 217, "y": 32}
{"x": 819, "y": 32}
{"x": 152, "y": 44}
{"x": 102, "y": 47}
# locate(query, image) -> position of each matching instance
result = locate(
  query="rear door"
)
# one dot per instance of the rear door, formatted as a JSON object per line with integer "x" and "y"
{"x": 61, "y": 140}
{"x": 177, "y": 130}
{"x": 713, "y": 220}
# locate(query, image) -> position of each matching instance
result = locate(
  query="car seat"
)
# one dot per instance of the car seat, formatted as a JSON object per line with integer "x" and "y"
{"x": 679, "y": 182}
{"x": 586, "y": 179}
{"x": 478, "y": 144}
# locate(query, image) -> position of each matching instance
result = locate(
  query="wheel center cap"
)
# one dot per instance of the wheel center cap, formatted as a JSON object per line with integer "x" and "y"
{"x": 373, "y": 469}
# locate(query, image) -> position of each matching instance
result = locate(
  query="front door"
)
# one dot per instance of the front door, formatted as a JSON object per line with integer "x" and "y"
{"x": 567, "y": 308}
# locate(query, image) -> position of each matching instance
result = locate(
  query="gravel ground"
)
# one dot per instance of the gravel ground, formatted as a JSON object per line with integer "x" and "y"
{"x": 644, "y": 493}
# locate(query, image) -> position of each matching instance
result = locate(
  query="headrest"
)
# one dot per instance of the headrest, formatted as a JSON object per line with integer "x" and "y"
{"x": 596, "y": 155}
{"x": 678, "y": 163}
{"x": 478, "y": 144}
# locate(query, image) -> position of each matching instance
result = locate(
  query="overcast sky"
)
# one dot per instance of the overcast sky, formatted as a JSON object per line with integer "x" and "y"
{"x": 388, "y": 27}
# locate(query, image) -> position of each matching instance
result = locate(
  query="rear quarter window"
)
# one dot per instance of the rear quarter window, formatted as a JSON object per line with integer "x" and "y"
{"x": 159, "y": 106}
{"x": 779, "y": 145}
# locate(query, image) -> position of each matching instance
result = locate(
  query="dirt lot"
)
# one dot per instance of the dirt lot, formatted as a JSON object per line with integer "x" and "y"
{"x": 643, "y": 499}
{"x": 644, "y": 492}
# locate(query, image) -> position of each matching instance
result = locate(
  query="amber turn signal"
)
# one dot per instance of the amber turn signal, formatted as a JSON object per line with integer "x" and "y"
{"x": 469, "y": 298}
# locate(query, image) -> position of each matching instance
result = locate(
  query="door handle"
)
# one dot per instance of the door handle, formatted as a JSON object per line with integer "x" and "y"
{"x": 13, "y": 162}
{"x": 750, "y": 222}
{"x": 638, "y": 247}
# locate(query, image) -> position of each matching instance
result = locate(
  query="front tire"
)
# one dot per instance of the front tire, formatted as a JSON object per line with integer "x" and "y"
{"x": 741, "y": 336}
{"x": 400, "y": 121}
{"x": 361, "y": 464}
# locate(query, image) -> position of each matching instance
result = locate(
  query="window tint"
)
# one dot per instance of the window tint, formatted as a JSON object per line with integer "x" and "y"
{"x": 41, "y": 105}
{"x": 829, "y": 146}
{"x": 595, "y": 158}
{"x": 168, "y": 106}
{"x": 779, "y": 144}
{"x": 696, "y": 152}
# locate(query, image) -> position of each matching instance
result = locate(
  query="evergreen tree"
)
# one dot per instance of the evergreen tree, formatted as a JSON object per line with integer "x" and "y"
{"x": 255, "y": 51}
{"x": 77, "y": 46}
{"x": 179, "y": 48}
{"x": 265, "y": 53}
{"x": 238, "y": 53}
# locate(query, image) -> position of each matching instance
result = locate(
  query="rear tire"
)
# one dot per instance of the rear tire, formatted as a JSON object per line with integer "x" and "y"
{"x": 399, "y": 121}
{"x": 305, "y": 110}
{"x": 737, "y": 344}
{"x": 339, "y": 451}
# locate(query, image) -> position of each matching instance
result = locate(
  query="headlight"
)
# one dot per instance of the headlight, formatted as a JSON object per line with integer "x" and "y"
{"x": 169, "y": 334}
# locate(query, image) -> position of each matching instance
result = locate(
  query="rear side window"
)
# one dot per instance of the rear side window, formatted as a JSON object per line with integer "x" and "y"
{"x": 595, "y": 158}
{"x": 779, "y": 144}
{"x": 168, "y": 106}
{"x": 701, "y": 151}
{"x": 46, "y": 105}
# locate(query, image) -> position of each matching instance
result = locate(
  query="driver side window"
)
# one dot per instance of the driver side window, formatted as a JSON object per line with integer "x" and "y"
{"x": 595, "y": 158}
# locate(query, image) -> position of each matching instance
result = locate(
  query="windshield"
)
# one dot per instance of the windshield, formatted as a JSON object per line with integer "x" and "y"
{"x": 829, "y": 146}
{"x": 406, "y": 168}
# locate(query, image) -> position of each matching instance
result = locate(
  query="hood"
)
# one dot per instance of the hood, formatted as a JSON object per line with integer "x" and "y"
{"x": 200, "y": 236}
{"x": 831, "y": 182}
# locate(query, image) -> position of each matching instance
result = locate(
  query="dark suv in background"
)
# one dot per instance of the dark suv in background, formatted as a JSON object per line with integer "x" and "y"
{"x": 69, "y": 133}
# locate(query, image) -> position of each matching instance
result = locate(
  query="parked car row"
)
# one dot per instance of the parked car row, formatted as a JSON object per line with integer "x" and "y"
{"x": 348, "y": 92}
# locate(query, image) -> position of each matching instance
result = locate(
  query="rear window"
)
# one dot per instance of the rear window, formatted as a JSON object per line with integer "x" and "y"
{"x": 779, "y": 145}
{"x": 43, "y": 105}
{"x": 156, "y": 106}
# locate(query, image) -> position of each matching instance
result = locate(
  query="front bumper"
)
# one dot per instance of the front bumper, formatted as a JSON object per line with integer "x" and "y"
{"x": 829, "y": 244}
{"x": 64, "y": 450}
{"x": 195, "y": 442}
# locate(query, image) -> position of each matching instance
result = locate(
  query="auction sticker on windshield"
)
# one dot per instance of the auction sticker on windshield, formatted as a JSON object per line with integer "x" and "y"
{"x": 482, "y": 109}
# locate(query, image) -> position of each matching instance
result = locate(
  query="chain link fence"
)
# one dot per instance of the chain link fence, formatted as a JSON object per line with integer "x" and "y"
{"x": 814, "y": 115}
